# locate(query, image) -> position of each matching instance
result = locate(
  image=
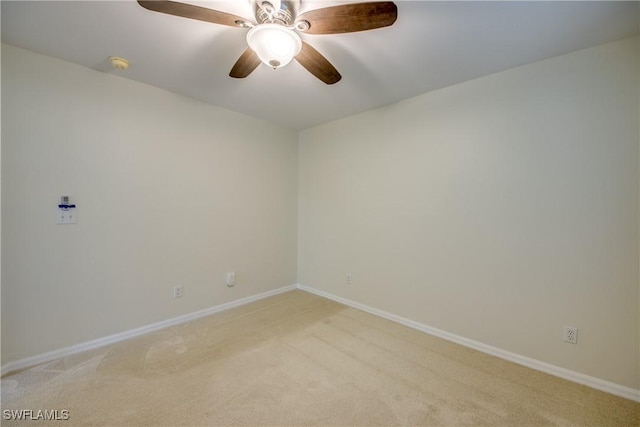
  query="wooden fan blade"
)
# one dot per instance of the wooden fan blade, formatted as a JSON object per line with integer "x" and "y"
{"x": 350, "y": 18}
{"x": 317, "y": 64}
{"x": 247, "y": 62}
{"x": 191, "y": 11}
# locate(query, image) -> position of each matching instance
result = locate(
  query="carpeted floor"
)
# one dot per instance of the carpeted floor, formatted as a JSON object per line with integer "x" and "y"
{"x": 299, "y": 359}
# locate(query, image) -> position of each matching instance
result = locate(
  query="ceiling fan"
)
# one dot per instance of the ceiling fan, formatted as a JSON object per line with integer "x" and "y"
{"x": 273, "y": 38}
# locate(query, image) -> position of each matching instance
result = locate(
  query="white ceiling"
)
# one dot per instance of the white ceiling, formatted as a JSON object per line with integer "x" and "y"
{"x": 432, "y": 45}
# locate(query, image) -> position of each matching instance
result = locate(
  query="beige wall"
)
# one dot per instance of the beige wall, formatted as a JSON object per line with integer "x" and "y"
{"x": 170, "y": 191}
{"x": 499, "y": 210}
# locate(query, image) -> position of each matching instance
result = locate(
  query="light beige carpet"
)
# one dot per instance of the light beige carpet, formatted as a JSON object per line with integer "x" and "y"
{"x": 298, "y": 359}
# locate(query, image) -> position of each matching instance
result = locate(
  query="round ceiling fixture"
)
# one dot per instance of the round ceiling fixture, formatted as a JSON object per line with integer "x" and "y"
{"x": 275, "y": 44}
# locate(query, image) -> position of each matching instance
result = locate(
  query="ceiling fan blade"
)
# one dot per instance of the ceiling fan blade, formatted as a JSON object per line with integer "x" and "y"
{"x": 317, "y": 64}
{"x": 191, "y": 11}
{"x": 247, "y": 62}
{"x": 350, "y": 18}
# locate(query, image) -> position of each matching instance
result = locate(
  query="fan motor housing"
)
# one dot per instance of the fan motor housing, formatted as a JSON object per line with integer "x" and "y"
{"x": 281, "y": 12}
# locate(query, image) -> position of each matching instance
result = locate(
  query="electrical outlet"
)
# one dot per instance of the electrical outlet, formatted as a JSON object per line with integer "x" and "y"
{"x": 571, "y": 334}
{"x": 231, "y": 279}
{"x": 348, "y": 279}
{"x": 177, "y": 291}
{"x": 66, "y": 212}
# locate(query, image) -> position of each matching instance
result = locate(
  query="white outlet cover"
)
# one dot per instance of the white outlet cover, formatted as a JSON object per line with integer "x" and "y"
{"x": 231, "y": 279}
{"x": 67, "y": 216}
{"x": 571, "y": 334}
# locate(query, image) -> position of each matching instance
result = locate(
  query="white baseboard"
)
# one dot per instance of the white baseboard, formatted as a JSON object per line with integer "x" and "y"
{"x": 576, "y": 377}
{"x": 89, "y": 345}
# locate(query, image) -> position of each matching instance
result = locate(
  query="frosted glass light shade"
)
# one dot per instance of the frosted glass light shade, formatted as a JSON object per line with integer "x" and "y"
{"x": 275, "y": 44}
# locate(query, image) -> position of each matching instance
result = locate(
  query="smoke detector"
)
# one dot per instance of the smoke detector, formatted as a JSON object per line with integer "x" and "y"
{"x": 119, "y": 63}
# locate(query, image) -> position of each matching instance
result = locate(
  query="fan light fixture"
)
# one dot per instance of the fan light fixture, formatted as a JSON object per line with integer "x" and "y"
{"x": 275, "y": 44}
{"x": 273, "y": 37}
